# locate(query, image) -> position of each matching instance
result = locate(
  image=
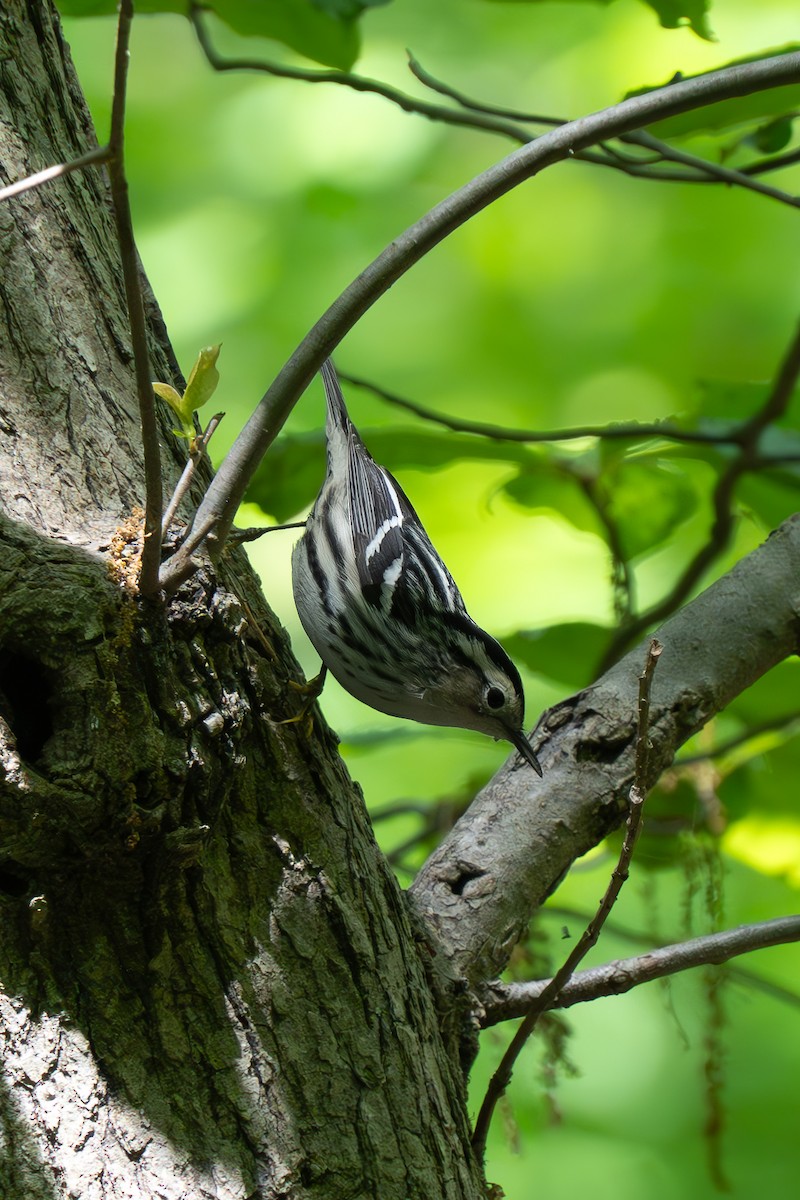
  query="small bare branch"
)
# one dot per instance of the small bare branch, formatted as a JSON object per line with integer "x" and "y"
{"x": 237, "y": 536}
{"x": 774, "y": 725}
{"x": 151, "y": 552}
{"x": 713, "y": 172}
{"x": 505, "y": 1001}
{"x": 502, "y": 1076}
{"x": 698, "y": 170}
{"x": 196, "y": 453}
{"x": 92, "y": 158}
{"x": 624, "y": 431}
{"x": 643, "y": 937}
{"x": 357, "y": 83}
{"x": 774, "y": 163}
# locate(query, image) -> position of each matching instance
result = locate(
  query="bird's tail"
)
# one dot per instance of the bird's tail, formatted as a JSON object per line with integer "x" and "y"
{"x": 338, "y": 419}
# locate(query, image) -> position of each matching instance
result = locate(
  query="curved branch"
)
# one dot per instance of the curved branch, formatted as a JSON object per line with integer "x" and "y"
{"x": 505, "y": 1001}
{"x": 228, "y": 487}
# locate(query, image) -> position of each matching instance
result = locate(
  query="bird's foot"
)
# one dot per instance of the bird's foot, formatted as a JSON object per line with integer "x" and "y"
{"x": 310, "y": 691}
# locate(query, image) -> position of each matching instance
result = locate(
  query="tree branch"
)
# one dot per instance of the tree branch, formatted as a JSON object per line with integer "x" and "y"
{"x": 623, "y": 431}
{"x": 740, "y": 975}
{"x": 151, "y": 550}
{"x": 505, "y": 1001}
{"x": 513, "y": 845}
{"x": 196, "y": 452}
{"x": 228, "y": 486}
{"x": 357, "y": 83}
{"x": 488, "y": 118}
{"x": 700, "y": 170}
{"x": 774, "y": 163}
{"x": 91, "y": 158}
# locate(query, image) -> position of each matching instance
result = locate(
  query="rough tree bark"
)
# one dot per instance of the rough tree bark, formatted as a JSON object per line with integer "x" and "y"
{"x": 210, "y": 983}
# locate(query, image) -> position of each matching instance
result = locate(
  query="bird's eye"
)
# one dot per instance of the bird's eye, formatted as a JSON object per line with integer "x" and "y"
{"x": 495, "y": 697}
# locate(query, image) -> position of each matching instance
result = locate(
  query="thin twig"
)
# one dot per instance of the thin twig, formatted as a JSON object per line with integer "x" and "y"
{"x": 485, "y": 118}
{"x": 506, "y": 1001}
{"x": 622, "y": 578}
{"x": 740, "y": 739}
{"x": 237, "y": 536}
{"x": 195, "y": 456}
{"x": 502, "y": 1076}
{"x": 96, "y": 157}
{"x": 627, "y": 431}
{"x": 716, "y": 172}
{"x": 195, "y": 538}
{"x": 475, "y": 118}
{"x": 230, "y": 483}
{"x": 775, "y": 163}
{"x": 738, "y": 974}
{"x": 357, "y": 83}
{"x": 722, "y": 525}
{"x": 700, "y": 170}
{"x": 151, "y": 551}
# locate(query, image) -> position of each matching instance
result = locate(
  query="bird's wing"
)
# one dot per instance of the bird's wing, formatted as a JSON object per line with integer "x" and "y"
{"x": 377, "y": 516}
{"x": 397, "y": 565}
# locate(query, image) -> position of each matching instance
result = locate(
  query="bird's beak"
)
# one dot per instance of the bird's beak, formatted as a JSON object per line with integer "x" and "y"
{"x": 526, "y": 750}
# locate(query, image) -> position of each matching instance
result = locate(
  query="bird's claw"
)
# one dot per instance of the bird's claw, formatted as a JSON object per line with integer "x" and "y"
{"x": 311, "y": 691}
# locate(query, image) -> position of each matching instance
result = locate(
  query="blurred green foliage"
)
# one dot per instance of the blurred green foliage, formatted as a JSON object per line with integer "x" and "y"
{"x": 323, "y": 30}
{"x": 584, "y": 298}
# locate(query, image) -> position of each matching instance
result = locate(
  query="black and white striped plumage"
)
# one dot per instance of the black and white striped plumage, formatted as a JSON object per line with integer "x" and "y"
{"x": 381, "y": 608}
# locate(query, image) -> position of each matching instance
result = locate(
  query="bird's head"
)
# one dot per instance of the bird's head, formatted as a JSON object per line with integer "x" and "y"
{"x": 480, "y": 689}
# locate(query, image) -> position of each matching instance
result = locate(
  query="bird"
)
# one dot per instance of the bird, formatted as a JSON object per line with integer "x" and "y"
{"x": 382, "y": 610}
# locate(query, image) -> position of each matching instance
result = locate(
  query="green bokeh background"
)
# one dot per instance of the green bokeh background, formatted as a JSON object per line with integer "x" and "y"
{"x": 583, "y": 297}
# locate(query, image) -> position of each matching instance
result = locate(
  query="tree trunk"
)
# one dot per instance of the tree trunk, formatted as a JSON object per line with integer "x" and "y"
{"x": 210, "y": 983}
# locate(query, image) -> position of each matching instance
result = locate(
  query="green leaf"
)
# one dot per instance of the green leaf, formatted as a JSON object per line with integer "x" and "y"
{"x": 770, "y": 696}
{"x": 774, "y": 136}
{"x": 322, "y": 30}
{"x": 98, "y": 8}
{"x": 291, "y": 474}
{"x": 203, "y": 380}
{"x": 175, "y": 401}
{"x": 347, "y": 9}
{"x": 730, "y": 401}
{"x": 675, "y": 13}
{"x": 202, "y": 384}
{"x": 327, "y": 37}
{"x": 645, "y": 496}
{"x": 771, "y": 497}
{"x": 569, "y": 653}
{"x": 647, "y": 502}
{"x": 671, "y": 13}
{"x": 540, "y": 488}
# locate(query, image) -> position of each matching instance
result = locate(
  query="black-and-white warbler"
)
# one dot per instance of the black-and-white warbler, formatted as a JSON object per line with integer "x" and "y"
{"x": 381, "y": 608}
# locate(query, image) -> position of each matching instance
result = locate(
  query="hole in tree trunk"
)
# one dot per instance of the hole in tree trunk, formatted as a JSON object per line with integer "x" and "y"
{"x": 14, "y": 879}
{"x": 24, "y": 695}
